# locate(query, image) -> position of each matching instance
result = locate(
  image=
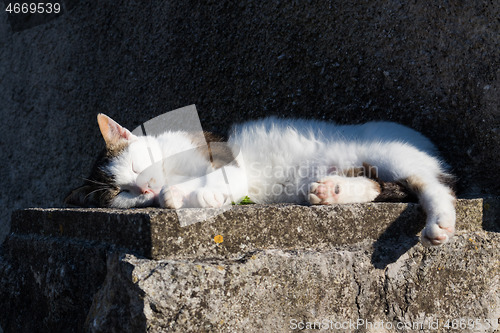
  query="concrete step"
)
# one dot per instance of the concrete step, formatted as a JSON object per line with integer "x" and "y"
{"x": 157, "y": 233}
{"x": 349, "y": 268}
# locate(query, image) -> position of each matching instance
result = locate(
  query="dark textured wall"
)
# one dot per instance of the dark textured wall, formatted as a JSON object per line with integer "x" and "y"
{"x": 432, "y": 66}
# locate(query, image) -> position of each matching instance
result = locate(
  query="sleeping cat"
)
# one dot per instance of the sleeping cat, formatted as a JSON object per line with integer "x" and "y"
{"x": 271, "y": 161}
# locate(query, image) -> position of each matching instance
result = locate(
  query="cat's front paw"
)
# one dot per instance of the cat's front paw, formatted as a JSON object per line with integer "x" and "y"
{"x": 171, "y": 197}
{"x": 339, "y": 189}
{"x": 208, "y": 198}
{"x": 438, "y": 230}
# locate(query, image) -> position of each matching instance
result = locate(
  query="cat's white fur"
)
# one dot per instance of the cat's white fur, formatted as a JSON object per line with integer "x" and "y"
{"x": 284, "y": 160}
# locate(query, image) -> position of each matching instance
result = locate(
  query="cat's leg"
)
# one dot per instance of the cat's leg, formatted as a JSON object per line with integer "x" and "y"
{"x": 436, "y": 198}
{"x": 423, "y": 174}
{"x": 174, "y": 197}
{"x": 438, "y": 201}
{"x": 214, "y": 190}
{"x": 171, "y": 197}
{"x": 183, "y": 196}
{"x": 341, "y": 189}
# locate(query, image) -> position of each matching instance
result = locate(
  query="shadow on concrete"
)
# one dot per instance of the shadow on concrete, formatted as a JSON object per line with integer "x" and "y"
{"x": 399, "y": 237}
{"x": 491, "y": 214}
{"x": 107, "y": 227}
{"x": 118, "y": 305}
{"x": 39, "y": 290}
{"x": 65, "y": 250}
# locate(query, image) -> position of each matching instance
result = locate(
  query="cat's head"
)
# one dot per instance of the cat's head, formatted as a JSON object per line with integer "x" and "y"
{"x": 115, "y": 179}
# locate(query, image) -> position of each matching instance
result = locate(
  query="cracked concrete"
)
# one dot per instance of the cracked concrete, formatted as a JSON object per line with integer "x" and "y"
{"x": 275, "y": 289}
{"x": 102, "y": 270}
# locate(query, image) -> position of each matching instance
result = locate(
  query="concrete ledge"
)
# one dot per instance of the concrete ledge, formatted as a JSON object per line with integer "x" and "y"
{"x": 157, "y": 234}
{"x": 102, "y": 270}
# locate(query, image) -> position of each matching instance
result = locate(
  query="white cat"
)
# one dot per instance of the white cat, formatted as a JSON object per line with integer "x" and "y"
{"x": 271, "y": 161}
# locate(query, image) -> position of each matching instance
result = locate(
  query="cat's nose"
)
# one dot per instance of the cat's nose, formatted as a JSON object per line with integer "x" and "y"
{"x": 148, "y": 190}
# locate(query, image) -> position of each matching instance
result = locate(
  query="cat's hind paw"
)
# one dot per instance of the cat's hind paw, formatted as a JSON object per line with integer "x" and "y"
{"x": 324, "y": 192}
{"x": 438, "y": 231}
{"x": 340, "y": 189}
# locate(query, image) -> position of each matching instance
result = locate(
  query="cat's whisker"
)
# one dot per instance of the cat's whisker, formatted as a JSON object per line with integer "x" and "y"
{"x": 98, "y": 190}
{"x": 95, "y": 182}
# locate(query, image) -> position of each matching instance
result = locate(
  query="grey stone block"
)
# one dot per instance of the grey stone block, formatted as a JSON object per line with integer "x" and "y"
{"x": 281, "y": 291}
{"x": 105, "y": 270}
{"x": 157, "y": 233}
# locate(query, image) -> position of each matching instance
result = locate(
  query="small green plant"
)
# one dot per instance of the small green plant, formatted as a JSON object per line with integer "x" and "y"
{"x": 245, "y": 201}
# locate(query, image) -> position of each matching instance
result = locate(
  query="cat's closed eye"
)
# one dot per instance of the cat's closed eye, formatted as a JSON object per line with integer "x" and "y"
{"x": 135, "y": 170}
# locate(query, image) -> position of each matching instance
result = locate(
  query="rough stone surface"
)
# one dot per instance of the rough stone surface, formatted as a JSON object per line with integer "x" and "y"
{"x": 276, "y": 291}
{"x": 157, "y": 233}
{"x": 430, "y": 65}
{"x": 137, "y": 270}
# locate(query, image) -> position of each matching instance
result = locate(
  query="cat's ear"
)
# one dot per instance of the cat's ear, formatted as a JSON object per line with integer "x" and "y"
{"x": 112, "y": 132}
{"x": 79, "y": 197}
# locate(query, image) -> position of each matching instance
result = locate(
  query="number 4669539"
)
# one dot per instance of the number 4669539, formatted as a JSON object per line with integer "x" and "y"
{"x": 39, "y": 8}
